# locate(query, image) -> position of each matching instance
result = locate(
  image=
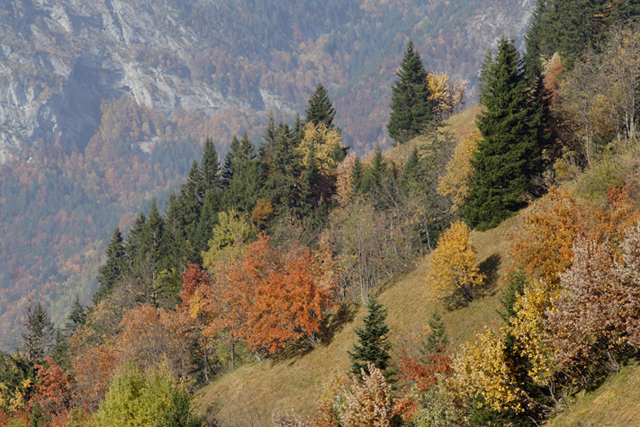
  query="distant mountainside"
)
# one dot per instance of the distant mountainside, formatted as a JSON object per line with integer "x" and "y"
{"x": 105, "y": 103}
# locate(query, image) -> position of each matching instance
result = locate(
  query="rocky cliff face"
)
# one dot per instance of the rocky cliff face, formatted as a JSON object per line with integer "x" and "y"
{"x": 60, "y": 58}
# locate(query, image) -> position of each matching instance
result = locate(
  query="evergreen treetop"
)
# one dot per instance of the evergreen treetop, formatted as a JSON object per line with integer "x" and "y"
{"x": 509, "y": 155}
{"x": 319, "y": 108}
{"x": 210, "y": 167}
{"x": 373, "y": 343}
{"x": 38, "y": 338}
{"x": 411, "y": 109}
{"x": 110, "y": 273}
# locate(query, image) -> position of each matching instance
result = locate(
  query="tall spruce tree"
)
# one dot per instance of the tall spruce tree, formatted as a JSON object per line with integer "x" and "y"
{"x": 111, "y": 272}
{"x": 319, "y": 108}
{"x": 375, "y": 173}
{"x": 190, "y": 201}
{"x": 283, "y": 185}
{"x": 246, "y": 179}
{"x": 77, "y": 318}
{"x": 569, "y": 27}
{"x": 210, "y": 167}
{"x": 510, "y": 152}
{"x": 38, "y": 339}
{"x": 411, "y": 109}
{"x": 373, "y": 344}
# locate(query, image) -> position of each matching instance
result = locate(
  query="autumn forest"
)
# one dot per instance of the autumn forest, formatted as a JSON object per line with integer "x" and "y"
{"x": 515, "y": 223}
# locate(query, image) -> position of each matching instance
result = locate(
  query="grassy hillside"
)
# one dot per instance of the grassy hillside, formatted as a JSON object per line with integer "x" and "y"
{"x": 295, "y": 382}
{"x": 615, "y": 403}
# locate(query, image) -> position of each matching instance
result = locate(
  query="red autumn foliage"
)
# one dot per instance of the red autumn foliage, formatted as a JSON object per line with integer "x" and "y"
{"x": 544, "y": 244}
{"x": 424, "y": 371}
{"x": 93, "y": 369}
{"x": 278, "y": 294}
{"x": 268, "y": 297}
{"x": 54, "y": 392}
{"x": 152, "y": 336}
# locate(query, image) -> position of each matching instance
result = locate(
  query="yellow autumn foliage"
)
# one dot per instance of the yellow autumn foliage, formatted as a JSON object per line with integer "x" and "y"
{"x": 456, "y": 182}
{"x": 453, "y": 264}
{"x": 482, "y": 368}
{"x": 528, "y": 329}
{"x": 324, "y": 141}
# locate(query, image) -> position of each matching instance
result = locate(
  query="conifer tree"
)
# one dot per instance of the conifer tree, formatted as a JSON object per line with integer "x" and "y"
{"x": 411, "y": 169}
{"x": 437, "y": 338}
{"x": 111, "y": 272}
{"x": 190, "y": 201}
{"x": 308, "y": 196}
{"x": 38, "y": 338}
{"x": 77, "y": 318}
{"x": 411, "y": 109}
{"x": 155, "y": 240}
{"x": 282, "y": 186}
{"x": 135, "y": 240}
{"x": 245, "y": 177}
{"x": 210, "y": 167}
{"x": 373, "y": 343}
{"x": 227, "y": 167}
{"x": 180, "y": 253}
{"x": 319, "y": 108}
{"x": 375, "y": 173}
{"x": 357, "y": 173}
{"x": 509, "y": 155}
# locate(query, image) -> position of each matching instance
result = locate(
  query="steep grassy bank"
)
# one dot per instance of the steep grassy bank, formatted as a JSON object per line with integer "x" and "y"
{"x": 296, "y": 382}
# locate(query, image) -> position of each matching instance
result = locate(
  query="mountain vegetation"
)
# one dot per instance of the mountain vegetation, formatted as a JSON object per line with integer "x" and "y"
{"x": 108, "y": 103}
{"x": 260, "y": 264}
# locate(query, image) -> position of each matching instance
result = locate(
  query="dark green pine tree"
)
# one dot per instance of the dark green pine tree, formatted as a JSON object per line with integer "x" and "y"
{"x": 210, "y": 167}
{"x": 77, "y": 318}
{"x": 373, "y": 344}
{"x": 410, "y": 105}
{"x": 437, "y": 339}
{"x": 155, "y": 240}
{"x": 135, "y": 241}
{"x": 227, "y": 167}
{"x": 39, "y": 336}
{"x": 180, "y": 253}
{"x": 283, "y": 185}
{"x": 211, "y": 197}
{"x": 298, "y": 130}
{"x": 375, "y": 173}
{"x": 319, "y": 108}
{"x": 246, "y": 179}
{"x": 110, "y": 273}
{"x": 357, "y": 173}
{"x": 190, "y": 200}
{"x": 308, "y": 187}
{"x": 266, "y": 148}
{"x": 411, "y": 173}
{"x": 569, "y": 27}
{"x": 509, "y": 155}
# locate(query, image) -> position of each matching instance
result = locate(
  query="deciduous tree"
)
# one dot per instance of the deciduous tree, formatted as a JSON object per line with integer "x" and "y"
{"x": 453, "y": 264}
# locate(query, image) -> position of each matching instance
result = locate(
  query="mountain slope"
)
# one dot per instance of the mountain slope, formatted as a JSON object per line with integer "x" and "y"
{"x": 295, "y": 383}
{"x": 260, "y": 388}
{"x": 105, "y": 104}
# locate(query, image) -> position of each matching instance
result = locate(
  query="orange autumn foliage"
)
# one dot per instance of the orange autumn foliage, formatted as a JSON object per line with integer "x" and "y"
{"x": 267, "y": 297}
{"x": 153, "y": 336}
{"x": 543, "y": 247}
{"x": 277, "y": 297}
{"x": 425, "y": 371}
{"x": 54, "y": 392}
{"x": 93, "y": 368}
